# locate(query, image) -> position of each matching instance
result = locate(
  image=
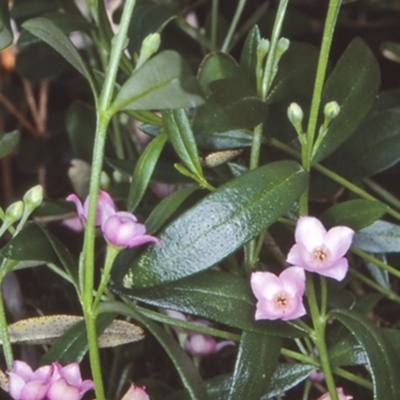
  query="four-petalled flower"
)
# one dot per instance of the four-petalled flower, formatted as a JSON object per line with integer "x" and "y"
{"x": 321, "y": 251}
{"x": 279, "y": 297}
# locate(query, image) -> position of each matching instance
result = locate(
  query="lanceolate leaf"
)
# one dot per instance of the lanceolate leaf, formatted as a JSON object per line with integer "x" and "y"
{"x": 44, "y": 29}
{"x": 381, "y": 359}
{"x": 218, "y": 296}
{"x": 353, "y": 84}
{"x": 256, "y": 362}
{"x": 248, "y": 58}
{"x": 6, "y": 36}
{"x": 8, "y": 142}
{"x": 144, "y": 170}
{"x": 220, "y": 223}
{"x": 163, "y": 82}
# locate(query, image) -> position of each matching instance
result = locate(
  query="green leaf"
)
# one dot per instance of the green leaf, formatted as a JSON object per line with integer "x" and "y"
{"x": 218, "y": 296}
{"x": 163, "y": 82}
{"x": 35, "y": 243}
{"x": 166, "y": 208}
{"x": 217, "y": 66}
{"x": 224, "y": 140}
{"x": 45, "y": 30}
{"x": 356, "y": 214}
{"x": 6, "y": 35}
{"x": 187, "y": 371}
{"x": 29, "y": 9}
{"x": 248, "y": 57}
{"x": 346, "y": 352}
{"x": 72, "y": 346}
{"x": 144, "y": 169}
{"x": 256, "y": 362}
{"x": 380, "y": 237}
{"x": 381, "y": 359}
{"x": 177, "y": 126}
{"x": 353, "y": 84}
{"x": 8, "y": 142}
{"x": 221, "y": 223}
{"x": 296, "y": 73}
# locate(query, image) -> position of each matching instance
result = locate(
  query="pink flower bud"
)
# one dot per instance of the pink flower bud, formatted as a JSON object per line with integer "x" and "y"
{"x": 279, "y": 297}
{"x": 321, "y": 251}
{"x": 136, "y": 393}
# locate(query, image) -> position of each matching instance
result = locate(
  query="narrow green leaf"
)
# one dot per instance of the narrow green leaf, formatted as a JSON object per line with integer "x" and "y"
{"x": 381, "y": 359}
{"x": 177, "y": 126}
{"x": 218, "y": 296}
{"x": 248, "y": 57}
{"x": 6, "y": 35}
{"x": 256, "y": 362}
{"x": 380, "y": 237}
{"x": 353, "y": 84}
{"x": 347, "y": 351}
{"x": 163, "y": 82}
{"x": 165, "y": 209}
{"x": 356, "y": 214}
{"x": 8, "y": 142}
{"x": 44, "y": 29}
{"x": 184, "y": 365}
{"x": 144, "y": 170}
{"x": 220, "y": 223}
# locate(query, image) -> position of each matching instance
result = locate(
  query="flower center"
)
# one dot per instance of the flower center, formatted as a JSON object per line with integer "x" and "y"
{"x": 281, "y": 301}
{"x": 321, "y": 255}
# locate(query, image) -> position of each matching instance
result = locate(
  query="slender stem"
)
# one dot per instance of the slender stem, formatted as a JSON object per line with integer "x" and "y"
{"x": 112, "y": 252}
{"x": 319, "y": 322}
{"x": 299, "y": 357}
{"x": 386, "y": 195}
{"x": 232, "y": 28}
{"x": 353, "y": 378}
{"x": 388, "y": 293}
{"x": 332, "y": 175}
{"x": 276, "y": 32}
{"x": 256, "y": 146}
{"x": 214, "y": 24}
{"x": 376, "y": 261}
{"x": 324, "y": 295}
{"x": 330, "y": 22}
{"x": 5, "y": 337}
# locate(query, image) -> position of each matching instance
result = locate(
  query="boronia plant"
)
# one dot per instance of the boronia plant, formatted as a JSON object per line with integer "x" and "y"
{"x": 210, "y": 186}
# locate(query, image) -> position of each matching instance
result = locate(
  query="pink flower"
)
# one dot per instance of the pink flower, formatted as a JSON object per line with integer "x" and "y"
{"x": 317, "y": 250}
{"x": 25, "y": 384}
{"x": 279, "y": 297}
{"x": 195, "y": 343}
{"x": 104, "y": 204}
{"x": 121, "y": 229}
{"x": 136, "y": 393}
{"x": 340, "y": 393}
{"x": 67, "y": 383}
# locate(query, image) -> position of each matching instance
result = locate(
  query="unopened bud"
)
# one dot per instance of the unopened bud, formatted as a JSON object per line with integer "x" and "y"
{"x": 283, "y": 45}
{"x": 331, "y": 110}
{"x": 295, "y": 115}
{"x": 150, "y": 45}
{"x": 104, "y": 181}
{"x": 14, "y": 211}
{"x": 33, "y": 197}
{"x": 263, "y": 48}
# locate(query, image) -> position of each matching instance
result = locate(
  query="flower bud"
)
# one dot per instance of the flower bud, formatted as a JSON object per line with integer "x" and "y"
{"x": 263, "y": 48}
{"x": 295, "y": 115}
{"x": 33, "y": 197}
{"x": 13, "y": 213}
{"x": 104, "y": 181}
{"x": 150, "y": 45}
{"x": 331, "y": 110}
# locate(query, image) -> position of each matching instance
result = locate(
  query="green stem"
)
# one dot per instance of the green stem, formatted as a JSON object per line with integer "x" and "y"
{"x": 319, "y": 322}
{"x": 112, "y": 252}
{"x": 232, "y": 28}
{"x": 214, "y": 24}
{"x": 299, "y": 357}
{"x": 353, "y": 378}
{"x": 276, "y": 32}
{"x": 369, "y": 282}
{"x": 5, "y": 337}
{"x": 324, "y": 295}
{"x": 376, "y": 261}
{"x": 330, "y": 22}
{"x": 386, "y": 195}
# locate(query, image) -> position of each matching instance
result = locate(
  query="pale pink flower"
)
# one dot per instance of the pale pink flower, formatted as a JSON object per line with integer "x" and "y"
{"x": 279, "y": 297}
{"x": 340, "y": 393}
{"x": 136, "y": 393}
{"x": 321, "y": 251}
{"x": 195, "y": 343}
{"x": 104, "y": 204}
{"x": 67, "y": 383}
{"x": 121, "y": 229}
{"x": 26, "y": 384}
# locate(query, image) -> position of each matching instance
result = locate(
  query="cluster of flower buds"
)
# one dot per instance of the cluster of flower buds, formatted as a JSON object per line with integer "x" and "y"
{"x": 316, "y": 250}
{"x": 119, "y": 228}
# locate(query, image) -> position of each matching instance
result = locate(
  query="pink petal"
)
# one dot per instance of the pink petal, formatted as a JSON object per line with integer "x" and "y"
{"x": 265, "y": 285}
{"x": 301, "y": 257}
{"x": 72, "y": 374}
{"x": 293, "y": 280}
{"x": 15, "y": 385}
{"x": 22, "y": 369}
{"x": 138, "y": 241}
{"x": 73, "y": 223}
{"x": 338, "y": 241}
{"x": 85, "y": 386}
{"x": 309, "y": 232}
{"x": 176, "y": 315}
{"x": 296, "y": 311}
{"x": 61, "y": 390}
{"x": 79, "y": 208}
{"x": 266, "y": 310}
{"x": 200, "y": 345}
{"x": 35, "y": 390}
{"x": 135, "y": 393}
{"x": 337, "y": 271}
